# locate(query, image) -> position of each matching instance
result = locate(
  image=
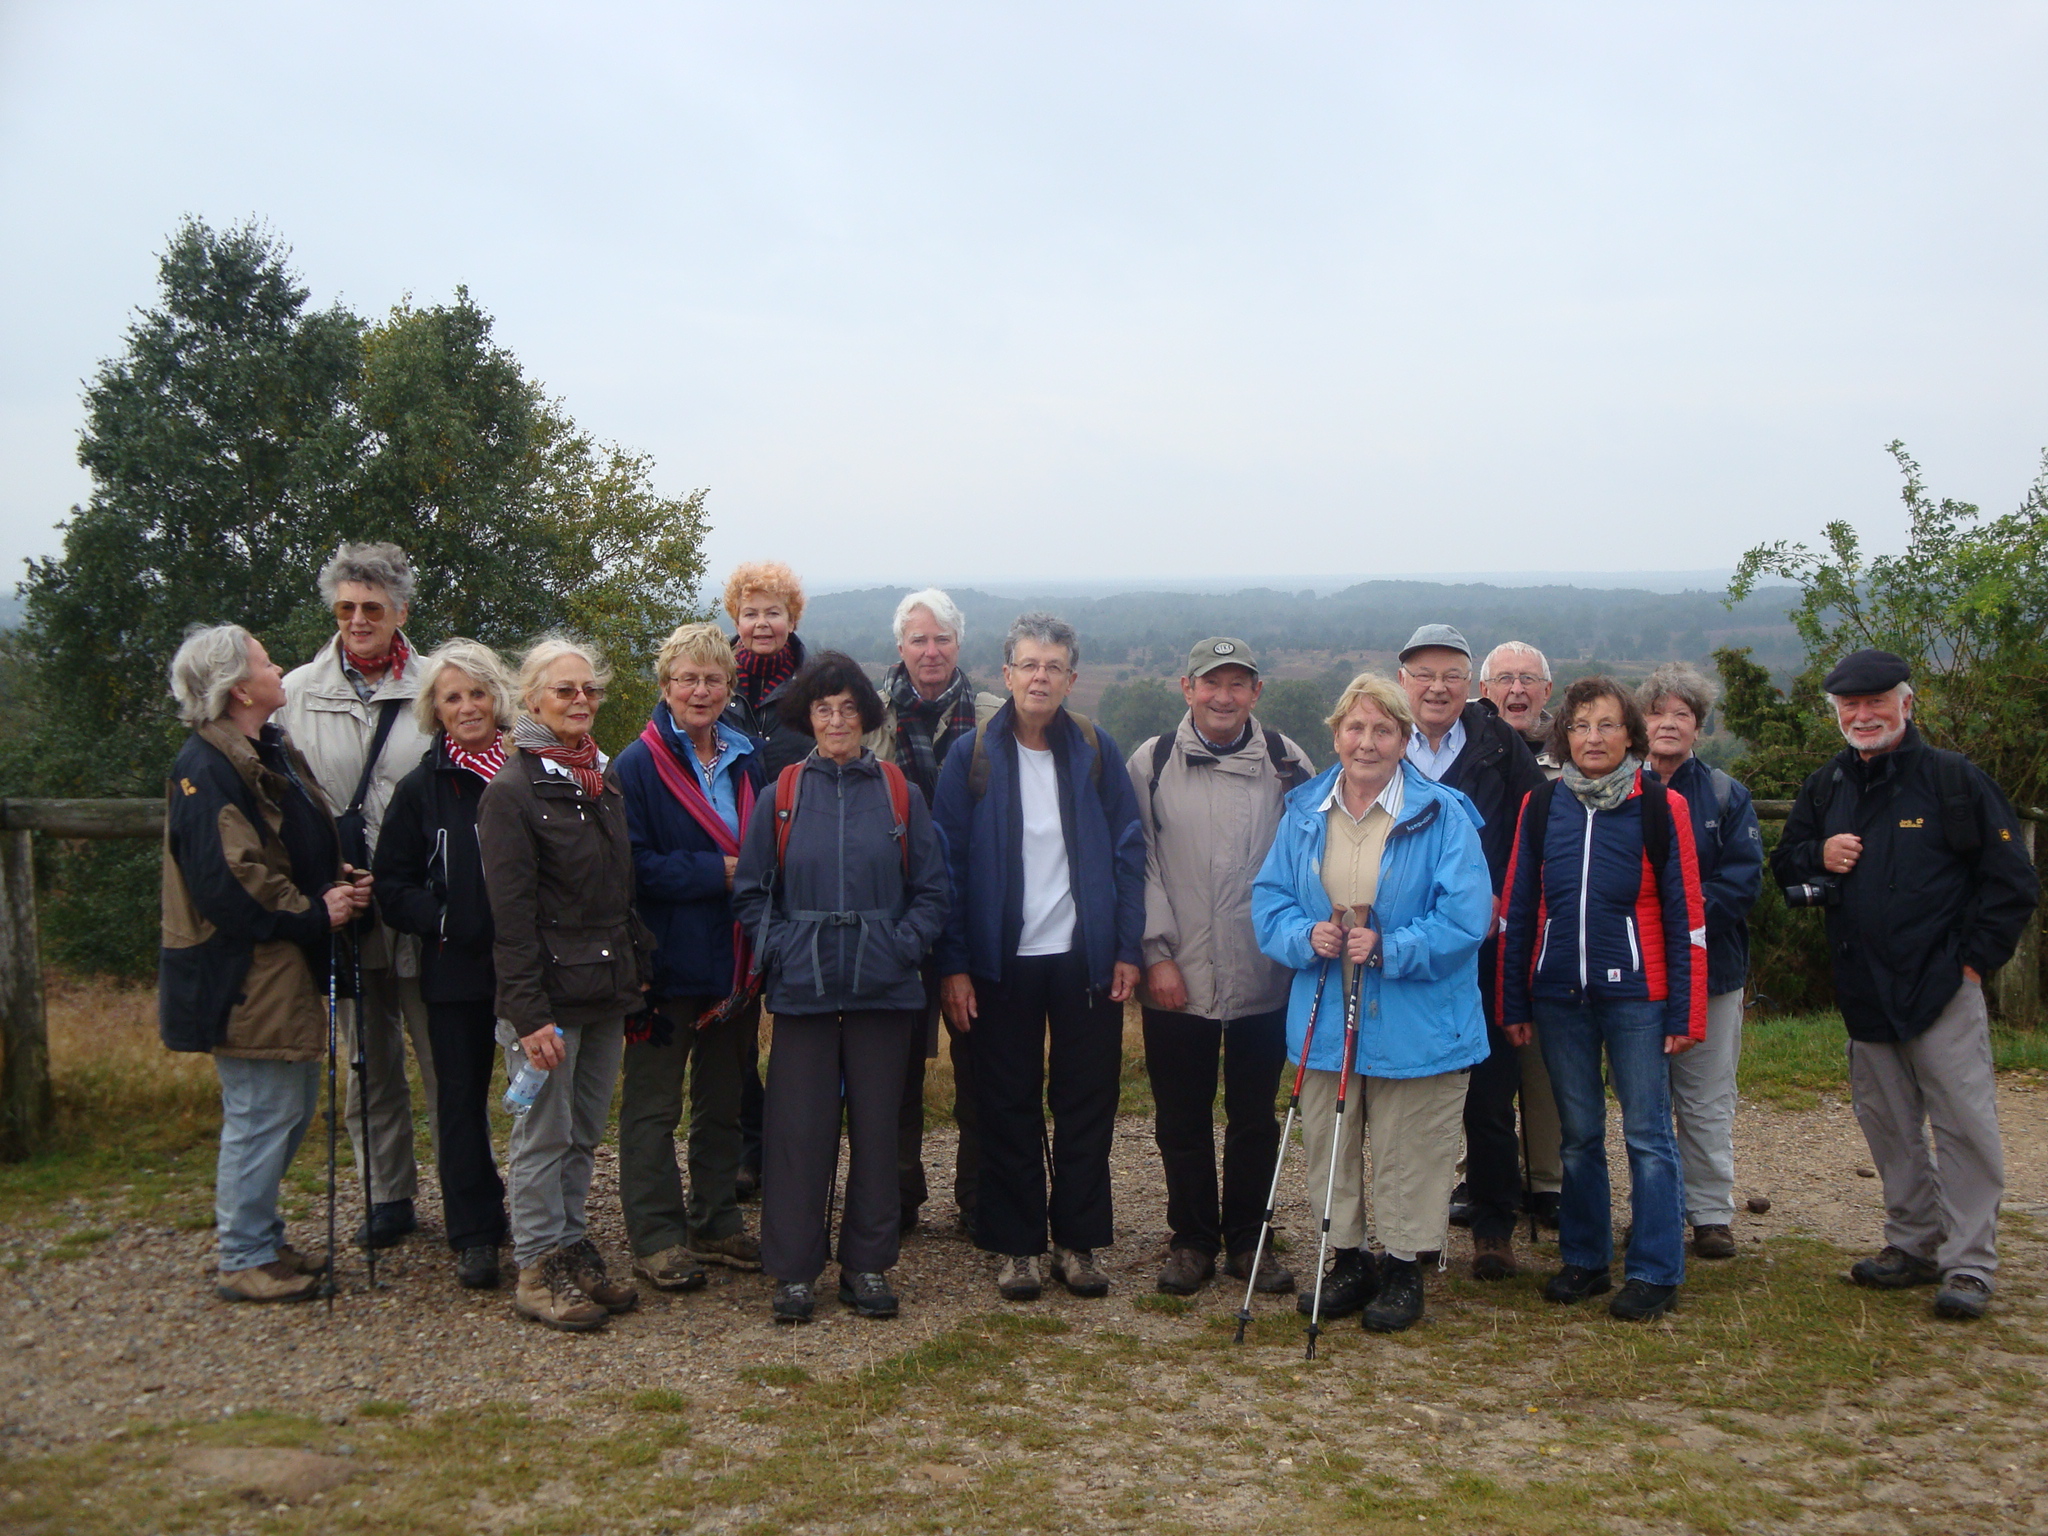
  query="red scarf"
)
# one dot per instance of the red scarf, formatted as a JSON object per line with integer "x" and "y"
{"x": 760, "y": 674}
{"x": 395, "y": 659}
{"x": 581, "y": 761}
{"x": 484, "y": 764}
{"x": 681, "y": 782}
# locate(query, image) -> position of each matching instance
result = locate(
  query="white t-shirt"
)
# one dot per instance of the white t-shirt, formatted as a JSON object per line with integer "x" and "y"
{"x": 1048, "y": 892}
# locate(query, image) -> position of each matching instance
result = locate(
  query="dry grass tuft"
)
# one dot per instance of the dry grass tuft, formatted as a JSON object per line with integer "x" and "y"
{"x": 110, "y": 1073}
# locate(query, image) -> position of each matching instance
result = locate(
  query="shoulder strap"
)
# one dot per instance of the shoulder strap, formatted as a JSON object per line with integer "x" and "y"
{"x": 1958, "y": 810}
{"x": 899, "y": 807}
{"x": 1094, "y": 740}
{"x": 1724, "y": 791}
{"x": 1656, "y": 823}
{"x": 789, "y": 786}
{"x": 1537, "y": 814}
{"x": 977, "y": 764}
{"x": 1290, "y": 772}
{"x": 387, "y": 716}
{"x": 1162, "y": 754}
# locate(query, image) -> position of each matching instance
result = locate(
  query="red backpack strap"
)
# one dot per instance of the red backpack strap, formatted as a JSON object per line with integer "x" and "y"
{"x": 788, "y": 785}
{"x": 899, "y": 807}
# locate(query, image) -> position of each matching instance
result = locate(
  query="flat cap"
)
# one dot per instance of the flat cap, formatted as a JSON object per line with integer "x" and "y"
{"x": 1221, "y": 651}
{"x": 1438, "y": 635}
{"x": 1867, "y": 672}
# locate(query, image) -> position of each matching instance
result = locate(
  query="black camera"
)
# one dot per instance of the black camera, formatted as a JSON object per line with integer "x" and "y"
{"x": 1818, "y": 892}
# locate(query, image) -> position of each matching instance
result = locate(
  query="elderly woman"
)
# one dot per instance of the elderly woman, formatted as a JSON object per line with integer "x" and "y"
{"x": 1675, "y": 701}
{"x": 1603, "y": 951}
{"x": 690, "y": 783}
{"x": 842, "y": 885}
{"x": 430, "y": 883}
{"x": 1378, "y": 867}
{"x": 572, "y": 963}
{"x": 253, "y": 889}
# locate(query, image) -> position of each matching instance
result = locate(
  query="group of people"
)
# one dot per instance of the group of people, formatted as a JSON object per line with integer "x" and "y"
{"x": 1481, "y": 916}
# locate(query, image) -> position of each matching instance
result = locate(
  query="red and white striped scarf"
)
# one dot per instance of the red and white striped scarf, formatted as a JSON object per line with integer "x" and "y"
{"x": 484, "y": 764}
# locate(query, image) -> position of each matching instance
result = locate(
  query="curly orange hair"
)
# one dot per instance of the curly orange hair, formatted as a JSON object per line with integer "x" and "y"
{"x": 771, "y": 577}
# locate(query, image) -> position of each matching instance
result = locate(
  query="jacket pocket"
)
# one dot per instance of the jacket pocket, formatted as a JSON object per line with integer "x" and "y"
{"x": 1635, "y": 953}
{"x": 586, "y": 965}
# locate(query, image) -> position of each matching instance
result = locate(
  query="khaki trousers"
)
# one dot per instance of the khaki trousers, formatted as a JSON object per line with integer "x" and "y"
{"x": 1415, "y": 1123}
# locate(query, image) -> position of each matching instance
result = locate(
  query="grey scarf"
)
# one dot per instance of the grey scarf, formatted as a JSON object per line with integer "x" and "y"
{"x": 1605, "y": 792}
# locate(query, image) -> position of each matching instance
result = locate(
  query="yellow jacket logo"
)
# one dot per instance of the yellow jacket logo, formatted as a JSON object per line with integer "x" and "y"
{"x": 1912, "y": 822}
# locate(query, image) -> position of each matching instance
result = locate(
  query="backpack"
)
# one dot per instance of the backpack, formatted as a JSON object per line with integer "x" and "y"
{"x": 789, "y": 789}
{"x": 1656, "y": 820}
{"x": 1958, "y": 808}
{"x": 1292, "y": 775}
{"x": 977, "y": 765}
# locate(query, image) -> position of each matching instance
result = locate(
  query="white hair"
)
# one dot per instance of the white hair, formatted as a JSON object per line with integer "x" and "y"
{"x": 941, "y": 607}
{"x": 369, "y": 565}
{"x": 1486, "y": 667}
{"x": 545, "y": 652}
{"x": 210, "y": 662}
{"x": 474, "y": 659}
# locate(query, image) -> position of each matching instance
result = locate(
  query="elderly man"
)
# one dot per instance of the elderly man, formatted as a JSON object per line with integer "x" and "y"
{"x": 350, "y": 711}
{"x": 1468, "y": 747}
{"x": 929, "y": 704}
{"x": 1915, "y": 855}
{"x": 1048, "y": 918}
{"x": 1209, "y": 797}
{"x": 1516, "y": 679}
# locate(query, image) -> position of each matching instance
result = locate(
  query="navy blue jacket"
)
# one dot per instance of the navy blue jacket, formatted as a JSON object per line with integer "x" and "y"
{"x": 1495, "y": 769}
{"x": 678, "y": 873}
{"x": 1730, "y": 846}
{"x": 780, "y": 744}
{"x": 985, "y": 850}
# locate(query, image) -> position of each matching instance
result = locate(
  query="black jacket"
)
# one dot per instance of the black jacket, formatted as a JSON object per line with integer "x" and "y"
{"x": 1496, "y": 770}
{"x": 430, "y": 877}
{"x": 1915, "y": 910}
{"x": 780, "y": 745}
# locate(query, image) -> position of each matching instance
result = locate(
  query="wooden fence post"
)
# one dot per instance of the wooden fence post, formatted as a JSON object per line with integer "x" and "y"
{"x": 2019, "y": 980}
{"x": 24, "y": 1032}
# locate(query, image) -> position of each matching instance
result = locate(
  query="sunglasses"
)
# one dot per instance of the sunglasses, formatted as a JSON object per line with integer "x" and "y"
{"x": 566, "y": 692}
{"x": 374, "y": 612}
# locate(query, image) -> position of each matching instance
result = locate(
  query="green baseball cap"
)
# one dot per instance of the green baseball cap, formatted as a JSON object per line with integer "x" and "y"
{"x": 1221, "y": 651}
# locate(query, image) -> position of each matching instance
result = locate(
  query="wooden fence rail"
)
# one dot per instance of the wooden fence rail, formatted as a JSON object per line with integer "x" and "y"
{"x": 24, "y": 1030}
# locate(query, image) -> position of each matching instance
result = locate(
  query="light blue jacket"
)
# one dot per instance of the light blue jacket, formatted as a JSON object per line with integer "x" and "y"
{"x": 1419, "y": 1012}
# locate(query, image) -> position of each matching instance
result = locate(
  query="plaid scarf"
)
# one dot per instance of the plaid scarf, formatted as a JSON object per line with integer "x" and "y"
{"x": 1607, "y": 791}
{"x": 923, "y": 724}
{"x": 529, "y": 735}
{"x": 395, "y": 658}
{"x": 761, "y": 675}
{"x": 484, "y": 764}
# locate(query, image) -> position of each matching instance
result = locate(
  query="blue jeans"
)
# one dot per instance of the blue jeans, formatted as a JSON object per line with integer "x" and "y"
{"x": 265, "y": 1108}
{"x": 1632, "y": 1033}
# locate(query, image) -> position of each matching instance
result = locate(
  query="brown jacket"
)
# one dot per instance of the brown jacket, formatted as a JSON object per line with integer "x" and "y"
{"x": 236, "y": 972}
{"x": 559, "y": 868}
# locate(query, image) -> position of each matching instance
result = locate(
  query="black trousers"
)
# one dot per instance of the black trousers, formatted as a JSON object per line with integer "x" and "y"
{"x": 911, "y": 1189}
{"x": 1182, "y": 1051}
{"x": 463, "y": 1040}
{"x": 1045, "y": 996}
{"x": 1493, "y": 1149}
{"x": 814, "y": 1054}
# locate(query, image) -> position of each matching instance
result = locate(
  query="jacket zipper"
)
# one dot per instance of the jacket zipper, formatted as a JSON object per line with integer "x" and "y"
{"x": 1635, "y": 955}
{"x": 1585, "y": 879}
{"x": 1548, "y": 924}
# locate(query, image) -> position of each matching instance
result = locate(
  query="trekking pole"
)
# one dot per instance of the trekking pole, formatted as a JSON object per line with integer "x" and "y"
{"x": 1308, "y": 1039}
{"x": 327, "y": 1286}
{"x": 361, "y": 1067}
{"x": 1315, "y": 1315}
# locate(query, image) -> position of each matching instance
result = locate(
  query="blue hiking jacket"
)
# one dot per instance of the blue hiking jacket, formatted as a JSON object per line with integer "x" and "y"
{"x": 1730, "y": 847}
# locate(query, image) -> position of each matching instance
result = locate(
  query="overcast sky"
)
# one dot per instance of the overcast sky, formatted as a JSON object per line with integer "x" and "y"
{"x": 938, "y": 291}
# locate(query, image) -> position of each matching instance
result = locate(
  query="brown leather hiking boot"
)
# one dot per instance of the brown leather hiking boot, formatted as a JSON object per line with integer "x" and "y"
{"x": 548, "y": 1294}
{"x": 279, "y": 1280}
{"x": 672, "y": 1269}
{"x": 586, "y": 1268}
{"x": 1713, "y": 1242}
{"x": 1274, "y": 1278}
{"x": 1186, "y": 1272}
{"x": 736, "y": 1250}
{"x": 1076, "y": 1269}
{"x": 1493, "y": 1258}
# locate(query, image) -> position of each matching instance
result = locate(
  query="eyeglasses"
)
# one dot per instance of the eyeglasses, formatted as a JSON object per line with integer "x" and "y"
{"x": 374, "y": 612}
{"x": 692, "y": 681}
{"x": 1596, "y": 728}
{"x": 1051, "y": 669}
{"x": 1451, "y": 679}
{"x": 832, "y": 713}
{"x": 565, "y": 693}
{"x": 1518, "y": 679}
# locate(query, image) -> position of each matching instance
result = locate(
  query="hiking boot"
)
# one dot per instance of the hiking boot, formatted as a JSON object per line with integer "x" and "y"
{"x": 1076, "y": 1269}
{"x": 1399, "y": 1303}
{"x": 389, "y": 1224}
{"x": 302, "y": 1263}
{"x": 275, "y": 1281}
{"x": 867, "y": 1293}
{"x": 1352, "y": 1280}
{"x": 1493, "y": 1258}
{"x": 1638, "y": 1301}
{"x": 1964, "y": 1296}
{"x": 1018, "y": 1278}
{"x": 548, "y": 1293}
{"x": 736, "y": 1250}
{"x": 671, "y": 1269}
{"x": 747, "y": 1184}
{"x": 1542, "y": 1204}
{"x": 794, "y": 1302}
{"x": 906, "y": 1220}
{"x": 1461, "y": 1206}
{"x": 1713, "y": 1241}
{"x": 586, "y": 1268}
{"x": 1186, "y": 1272}
{"x": 1273, "y": 1279}
{"x": 476, "y": 1269}
{"x": 1893, "y": 1269}
{"x": 1575, "y": 1282}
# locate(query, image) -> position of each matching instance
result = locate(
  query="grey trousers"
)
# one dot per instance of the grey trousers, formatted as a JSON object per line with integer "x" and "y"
{"x": 1415, "y": 1124}
{"x": 650, "y": 1108}
{"x": 554, "y": 1144}
{"x": 392, "y": 1009}
{"x": 1703, "y": 1112}
{"x": 1944, "y": 1208}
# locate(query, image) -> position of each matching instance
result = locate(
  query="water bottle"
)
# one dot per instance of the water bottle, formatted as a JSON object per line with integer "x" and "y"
{"x": 526, "y": 1084}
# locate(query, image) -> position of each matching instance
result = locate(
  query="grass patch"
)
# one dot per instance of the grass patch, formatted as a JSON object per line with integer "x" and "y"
{"x": 1790, "y": 1061}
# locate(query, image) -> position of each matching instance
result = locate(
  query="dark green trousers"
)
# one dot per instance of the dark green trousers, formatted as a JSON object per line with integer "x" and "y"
{"x": 650, "y": 1110}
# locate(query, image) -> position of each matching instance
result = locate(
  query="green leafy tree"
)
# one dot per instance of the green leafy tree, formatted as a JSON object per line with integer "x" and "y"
{"x": 1145, "y": 706}
{"x": 1297, "y": 707}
